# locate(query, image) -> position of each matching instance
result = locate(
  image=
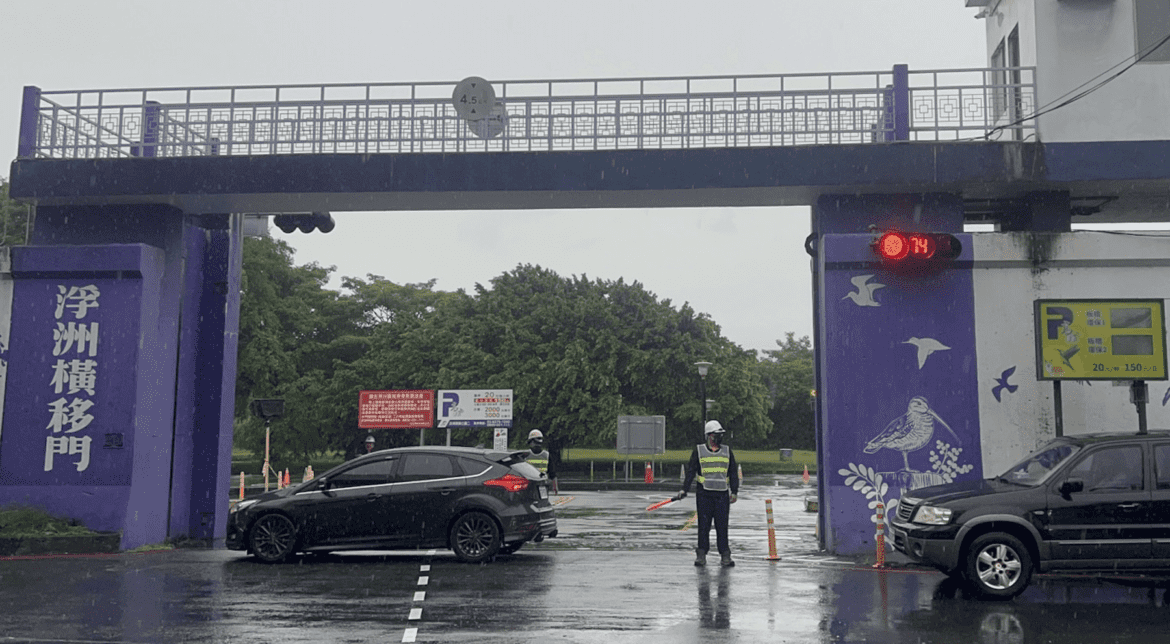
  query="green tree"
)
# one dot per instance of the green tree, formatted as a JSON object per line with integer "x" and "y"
{"x": 292, "y": 332}
{"x": 788, "y": 374}
{"x": 576, "y": 353}
{"x": 15, "y": 224}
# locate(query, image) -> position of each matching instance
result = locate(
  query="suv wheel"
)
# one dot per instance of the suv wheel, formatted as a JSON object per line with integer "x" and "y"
{"x": 273, "y": 538}
{"x": 998, "y": 565}
{"x": 475, "y": 537}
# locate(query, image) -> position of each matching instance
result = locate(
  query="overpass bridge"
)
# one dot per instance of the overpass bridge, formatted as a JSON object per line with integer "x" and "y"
{"x": 139, "y": 195}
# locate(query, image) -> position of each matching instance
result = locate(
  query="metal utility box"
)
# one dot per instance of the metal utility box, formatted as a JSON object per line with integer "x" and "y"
{"x": 641, "y": 435}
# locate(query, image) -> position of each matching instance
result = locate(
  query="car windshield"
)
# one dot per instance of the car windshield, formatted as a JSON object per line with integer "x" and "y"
{"x": 1038, "y": 465}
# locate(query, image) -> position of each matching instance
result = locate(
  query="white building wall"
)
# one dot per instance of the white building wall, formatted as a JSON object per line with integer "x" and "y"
{"x": 1080, "y": 265}
{"x": 1071, "y": 43}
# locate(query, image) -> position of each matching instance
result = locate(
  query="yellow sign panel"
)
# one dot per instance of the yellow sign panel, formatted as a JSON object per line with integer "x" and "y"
{"x": 1100, "y": 340}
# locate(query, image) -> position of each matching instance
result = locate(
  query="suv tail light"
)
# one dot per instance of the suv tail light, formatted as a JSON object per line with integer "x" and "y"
{"x": 509, "y": 482}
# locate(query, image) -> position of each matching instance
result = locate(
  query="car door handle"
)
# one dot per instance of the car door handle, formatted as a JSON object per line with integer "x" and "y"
{"x": 1128, "y": 506}
{"x": 445, "y": 490}
{"x": 372, "y": 496}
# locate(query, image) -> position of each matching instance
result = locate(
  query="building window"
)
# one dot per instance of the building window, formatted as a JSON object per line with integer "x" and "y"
{"x": 1152, "y": 19}
{"x": 999, "y": 80}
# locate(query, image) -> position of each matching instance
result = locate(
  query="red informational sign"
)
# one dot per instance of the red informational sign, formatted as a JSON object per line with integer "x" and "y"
{"x": 396, "y": 409}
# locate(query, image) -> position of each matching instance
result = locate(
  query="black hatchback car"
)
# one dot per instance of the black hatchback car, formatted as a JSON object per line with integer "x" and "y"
{"x": 479, "y": 503}
{"x": 1098, "y": 502}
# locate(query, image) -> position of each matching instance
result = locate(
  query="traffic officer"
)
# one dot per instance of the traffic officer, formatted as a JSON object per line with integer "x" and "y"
{"x": 538, "y": 457}
{"x": 713, "y": 464}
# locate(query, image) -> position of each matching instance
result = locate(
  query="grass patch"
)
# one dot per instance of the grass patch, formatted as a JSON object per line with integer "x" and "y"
{"x": 153, "y": 546}
{"x": 16, "y": 521}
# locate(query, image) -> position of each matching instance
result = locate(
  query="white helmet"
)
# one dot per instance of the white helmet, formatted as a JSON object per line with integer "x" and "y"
{"x": 535, "y": 435}
{"x": 712, "y": 427}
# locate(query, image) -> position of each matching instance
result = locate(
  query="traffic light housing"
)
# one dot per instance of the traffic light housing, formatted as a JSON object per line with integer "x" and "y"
{"x": 916, "y": 251}
{"x": 306, "y": 223}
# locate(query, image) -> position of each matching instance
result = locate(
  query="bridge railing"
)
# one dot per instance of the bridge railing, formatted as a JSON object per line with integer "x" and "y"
{"x": 547, "y": 115}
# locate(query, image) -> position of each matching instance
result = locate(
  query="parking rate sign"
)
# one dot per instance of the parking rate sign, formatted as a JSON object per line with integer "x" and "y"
{"x": 396, "y": 409}
{"x": 475, "y": 407}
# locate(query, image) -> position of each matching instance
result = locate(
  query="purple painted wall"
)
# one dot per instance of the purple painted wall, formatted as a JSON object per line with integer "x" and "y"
{"x": 81, "y": 435}
{"x": 897, "y": 379}
{"x": 151, "y": 267}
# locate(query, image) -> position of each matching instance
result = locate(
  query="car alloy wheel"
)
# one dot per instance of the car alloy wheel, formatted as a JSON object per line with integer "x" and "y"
{"x": 475, "y": 537}
{"x": 998, "y": 565}
{"x": 273, "y": 538}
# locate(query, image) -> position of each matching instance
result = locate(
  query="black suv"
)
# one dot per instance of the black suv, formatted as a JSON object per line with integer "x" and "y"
{"x": 476, "y": 502}
{"x": 1097, "y": 502}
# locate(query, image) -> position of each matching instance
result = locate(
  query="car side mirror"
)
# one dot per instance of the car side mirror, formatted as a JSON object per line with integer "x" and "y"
{"x": 1070, "y": 486}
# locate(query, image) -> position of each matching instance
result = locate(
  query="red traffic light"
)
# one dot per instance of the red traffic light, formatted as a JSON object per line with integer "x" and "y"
{"x": 896, "y": 246}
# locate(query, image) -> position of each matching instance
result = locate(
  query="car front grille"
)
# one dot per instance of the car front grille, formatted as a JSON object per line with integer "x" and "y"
{"x": 906, "y": 509}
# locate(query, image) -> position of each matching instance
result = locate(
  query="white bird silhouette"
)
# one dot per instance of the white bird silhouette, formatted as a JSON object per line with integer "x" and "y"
{"x": 864, "y": 294}
{"x": 910, "y": 431}
{"x": 926, "y": 346}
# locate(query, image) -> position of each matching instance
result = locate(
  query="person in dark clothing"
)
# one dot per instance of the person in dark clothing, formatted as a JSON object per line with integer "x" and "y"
{"x": 713, "y": 464}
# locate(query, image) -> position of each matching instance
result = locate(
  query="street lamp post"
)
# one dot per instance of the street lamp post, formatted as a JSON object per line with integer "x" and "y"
{"x": 703, "y": 367}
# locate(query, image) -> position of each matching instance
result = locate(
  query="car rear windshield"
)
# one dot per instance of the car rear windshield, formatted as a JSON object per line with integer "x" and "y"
{"x": 1038, "y": 465}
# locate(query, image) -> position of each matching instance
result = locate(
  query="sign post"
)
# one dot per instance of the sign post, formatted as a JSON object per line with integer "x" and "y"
{"x": 1101, "y": 340}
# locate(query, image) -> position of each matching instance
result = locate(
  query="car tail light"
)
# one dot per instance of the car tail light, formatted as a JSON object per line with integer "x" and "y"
{"x": 509, "y": 482}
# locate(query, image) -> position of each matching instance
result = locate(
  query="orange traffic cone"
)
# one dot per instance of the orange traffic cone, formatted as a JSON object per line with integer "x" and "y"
{"x": 287, "y": 478}
{"x": 805, "y": 477}
{"x": 649, "y": 472}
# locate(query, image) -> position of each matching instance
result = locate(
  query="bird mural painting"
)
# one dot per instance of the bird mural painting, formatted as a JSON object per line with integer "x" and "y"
{"x": 863, "y": 296}
{"x": 926, "y": 346}
{"x": 909, "y": 432}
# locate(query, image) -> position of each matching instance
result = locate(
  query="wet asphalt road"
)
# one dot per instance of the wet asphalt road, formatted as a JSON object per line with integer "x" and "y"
{"x": 616, "y": 574}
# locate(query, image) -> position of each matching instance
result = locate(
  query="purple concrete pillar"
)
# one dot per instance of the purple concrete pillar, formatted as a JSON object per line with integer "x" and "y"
{"x": 27, "y": 141}
{"x": 871, "y": 328}
{"x": 901, "y": 103}
{"x": 206, "y": 378}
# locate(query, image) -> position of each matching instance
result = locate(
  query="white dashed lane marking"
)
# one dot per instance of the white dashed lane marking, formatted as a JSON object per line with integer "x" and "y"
{"x": 415, "y": 615}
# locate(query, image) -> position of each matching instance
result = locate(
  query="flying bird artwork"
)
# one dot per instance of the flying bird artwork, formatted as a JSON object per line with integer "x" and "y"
{"x": 864, "y": 294}
{"x": 1002, "y": 383}
{"x": 910, "y": 431}
{"x": 926, "y": 346}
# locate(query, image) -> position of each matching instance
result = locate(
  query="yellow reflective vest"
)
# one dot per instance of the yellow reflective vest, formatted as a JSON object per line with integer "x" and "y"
{"x": 713, "y": 468}
{"x": 539, "y": 460}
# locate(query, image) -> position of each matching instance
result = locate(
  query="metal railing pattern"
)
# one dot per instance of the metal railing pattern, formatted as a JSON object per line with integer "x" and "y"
{"x": 549, "y": 115}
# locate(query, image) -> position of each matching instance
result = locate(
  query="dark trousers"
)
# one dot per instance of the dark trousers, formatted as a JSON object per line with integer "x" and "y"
{"x": 713, "y": 505}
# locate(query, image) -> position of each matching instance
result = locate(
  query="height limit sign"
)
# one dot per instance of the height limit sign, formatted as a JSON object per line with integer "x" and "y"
{"x": 474, "y": 98}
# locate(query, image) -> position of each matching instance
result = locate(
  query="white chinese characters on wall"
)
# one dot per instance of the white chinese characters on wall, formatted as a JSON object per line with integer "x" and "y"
{"x": 75, "y": 376}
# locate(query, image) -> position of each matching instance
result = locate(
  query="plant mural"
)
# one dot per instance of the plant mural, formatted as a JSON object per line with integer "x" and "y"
{"x": 873, "y": 485}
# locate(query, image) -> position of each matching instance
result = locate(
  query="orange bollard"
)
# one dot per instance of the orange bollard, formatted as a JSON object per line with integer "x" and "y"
{"x": 805, "y": 478}
{"x": 241, "y": 486}
{"x": 880, "y": 536}
{"x": 649, "y": 472}
{"x": 287, "y": 478}
{"x": 772, "y": 556}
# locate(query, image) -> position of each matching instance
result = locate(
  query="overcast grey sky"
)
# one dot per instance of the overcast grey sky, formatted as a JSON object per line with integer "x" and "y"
{"x": 744, "y": 266}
